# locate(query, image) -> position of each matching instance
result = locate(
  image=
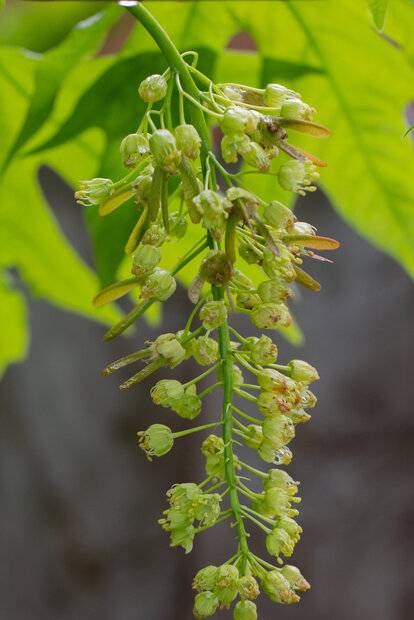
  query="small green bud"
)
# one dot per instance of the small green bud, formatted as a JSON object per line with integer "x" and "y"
{"x": 212, "y": 449}
{"x": 277, "y": 215}
{"x": 169, "y": 347}
{"x": 254, "y": 155}
{"x": 216, "y": 268}
{"x": 279, "y": 542}
{"x": 189, "y": 405}
{"x": 276, "y": 94}
{"x": 302, "y": 371}
{"x": 160, "y": 285}
{"x": 245, "y": 610}
{"x": 205, "y": 605}
{"x": 295, "y": 578}
{"x": 248, "y": 587}
{"x": 155, "y": 235}
{"x": 295, "y": 108}
{"x": 279, "y": 431}
{"x": 178, "y": 225}
{"x": 270, "y": 316}
{"x": 309, "y": 399}
{"x": 213, "y": 314}
{"x": 278, "y": 589}
{"x": 278, "y": 478}
{"x": 157, "y": 440}
{"x": 227, "y": 583}
{"x": 277, "y": 503}
{"x": 271, "y": 380}
{"x": 207, "y": 510}
{"x": 94, "y": 191}
{"x": 213, "y": 207}
{"x": 164, "y": 150}
{"x": 133, "y": 148}
{"x": 142, "y": 187}
{"x": 237, "y": 120}
{"x": 254, "y": 436}
{"x": 146, "y": 258}
{"x": 188, "y": 141}
{"x": 233, "y": 144}
{"x": 205, "y": 579}
{"x": 291, "y": 527}
{"x": 298, "y": 175}
{"x": 268, "y": 404}
{"x": 263, "y": 350}
{"x": 166, "y": 392}
{"x": 247, "y": 300}
{"x": 272, "y": 291}
{"x": 204, "y": 350}
{"x": 153, "y": 88}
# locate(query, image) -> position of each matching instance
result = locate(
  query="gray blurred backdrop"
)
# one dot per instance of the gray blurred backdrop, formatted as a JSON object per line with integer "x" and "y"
{"x": 78, "y": 526}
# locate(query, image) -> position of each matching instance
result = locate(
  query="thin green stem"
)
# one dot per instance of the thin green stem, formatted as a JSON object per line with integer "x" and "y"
{"x": 190, "y": 431}
{"x": 202, "y": 376}
{"x": 244, "y": 415}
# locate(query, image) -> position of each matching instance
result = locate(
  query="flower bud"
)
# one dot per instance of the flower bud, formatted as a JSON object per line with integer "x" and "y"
{"x": 276, "y": 94}
{"x": 177, "y": 224}
{"x": 267, "y": 451}
{"x": 299, "y": 416}
{"x": 269, "y": 404}
{"x": 308, "y": 400}
{"x": 270, "y": 316}
{"x": 204, "y": 350}
{"x": 164, "y": 150}
{"x": 213, "y": 208}
{"x": 189, "y": 405}
{"x": 262, "y": 350}
{"x": 213, "y": 314}
{"x": 254, "y": 155}
{"x": 247, "y": 300}
{"x": 153, "y": 88}
{"x": 238, "y": 378}
{"x": 145, "y": 260}
{"x": 170, "y": 349}
{"x": 216, "y": 268}
{"x": 160, "y": 285}
{"x": 94, "y": 191}
{"x": 233, "y": 144}
{"x": 248, "y": 587}
{"x": 212, "y": 449}
{"x": 277, "y": 215}
{"x": 271, "y": 380}
{"x": 133, "y": 148}
{"x": 295, "y": 578}
{"x": 142, "y": 186}
{"x": 296, "y": 108}
{"x": 254, "y": 436}
{"x": 227, "y": 582}
{"x": 205, "y": 605}
{"x": 279, "y": 431}
{"x": 279, "y": 542}
{"x": 302, "y": 228}
{"x": 278, "y": 589}
{"x": 245, "y": 610}
{"x": 272, "y": 291}
{"x": 278, "y": 478}
{"x": 188, "y": 141}
{"x": 302, "y": 371}
{"x": 166, "y": 392}
{"x": 205, "y": 579}
{"x": 234, "y": 120}
{"x": 157, "y": 440}
{"x": 155, "y": 235}
{"x": 297, "y": 175}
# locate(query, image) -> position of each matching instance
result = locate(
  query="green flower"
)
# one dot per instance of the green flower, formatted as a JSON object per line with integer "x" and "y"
{"x": 297, "y": 176}
{"x": 153, "y": 88}
{"x": 233, "y": 144}
{"x": 248, "y": 587}
{"x": 227, "y": 582}
{"x": 94, "y": 191}
{"x": 189, "y": 405}
{"x": 270, "y": 316}
{"x": 164, "y": 150}
{"x": 295, "y": 578}
{"x": 278, "y": 215}
{"x": 155, "y": 235}
{"x": 254, "y": 155}
{"x": 166, "y": 392}
{"x": 296, "y": 108}
{"x": 279, "y": 542}
{"x": 170, "y": 348}
{"x": 213, "y": 314}
{"x": 254, "y": 436}
{"x": 204, "y": 350}
{"x": 272, "y": 380}
{"x": 205, "y": 605}
{"x": 178, "y": 225}
{"x": 273, "y": 291}
{"x": 308, "y": 400}
{"x": 205, "y": 579}
{"x": 146, "y": 258}
{"x": 157, "y": 440}
{"x": 214, "y": 209}
{"x": 247, "y": 300}
{"x": 262, "y": 350}
{"x": 278, "y": 478}
{"x": 278, "y": 589}
{"x": 275, "y": 94}
{"x": 279, "y": 431}
{"x": 160, "y": 285}
{"x": 245, "y": 610}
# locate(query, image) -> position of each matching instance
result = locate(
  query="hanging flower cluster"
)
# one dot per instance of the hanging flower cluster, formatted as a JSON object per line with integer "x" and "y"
{"x": 170, "y": 162}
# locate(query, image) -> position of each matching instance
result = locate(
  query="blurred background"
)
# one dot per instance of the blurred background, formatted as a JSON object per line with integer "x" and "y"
{"x": 78, "y": 527}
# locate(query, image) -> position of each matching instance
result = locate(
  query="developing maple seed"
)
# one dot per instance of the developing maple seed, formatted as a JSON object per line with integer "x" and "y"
{"x": 236, "y": 227}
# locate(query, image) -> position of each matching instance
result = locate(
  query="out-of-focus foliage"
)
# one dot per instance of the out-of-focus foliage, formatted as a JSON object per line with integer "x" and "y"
{"x": 81, "y": 106}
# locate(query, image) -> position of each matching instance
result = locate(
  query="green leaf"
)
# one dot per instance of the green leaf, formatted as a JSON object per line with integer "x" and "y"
{"x": 378, "y": 10}
{"x": 52, "y": 67}
{"x": 13, "y": 319}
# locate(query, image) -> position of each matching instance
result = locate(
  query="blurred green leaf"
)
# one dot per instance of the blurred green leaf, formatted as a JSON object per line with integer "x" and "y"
{"x": 13, "y": 319}
{"x": 378, "y": 10}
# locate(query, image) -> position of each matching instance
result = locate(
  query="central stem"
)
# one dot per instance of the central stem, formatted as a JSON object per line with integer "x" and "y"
{"x": 177, "y": 63}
